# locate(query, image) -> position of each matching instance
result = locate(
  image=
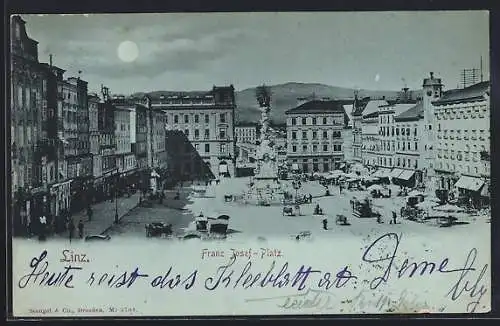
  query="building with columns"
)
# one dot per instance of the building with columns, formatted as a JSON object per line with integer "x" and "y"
{"x": 314, "y": 136}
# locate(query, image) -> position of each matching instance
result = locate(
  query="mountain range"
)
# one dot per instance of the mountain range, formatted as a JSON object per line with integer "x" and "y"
{"x": 284, "y": 97}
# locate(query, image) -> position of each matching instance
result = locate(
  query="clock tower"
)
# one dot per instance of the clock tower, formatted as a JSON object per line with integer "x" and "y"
{"x": 432, "y": 91}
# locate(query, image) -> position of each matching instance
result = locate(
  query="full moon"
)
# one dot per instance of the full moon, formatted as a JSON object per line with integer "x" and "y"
{"x": 377, "y": 77}
{"x": 127, "y": 51}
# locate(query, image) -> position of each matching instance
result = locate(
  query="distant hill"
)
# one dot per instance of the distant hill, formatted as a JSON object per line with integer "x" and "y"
{"x": 284, "y": 97}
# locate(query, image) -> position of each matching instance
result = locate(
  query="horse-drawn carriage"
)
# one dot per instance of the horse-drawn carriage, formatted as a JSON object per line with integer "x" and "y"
{"x": 291, "y": 210}
{"x": 446, "y": 221}
{"x": 212, "y": 225}
{"x": 158, "y": 229}
{"x": 364, "y": 208}
{"x": 341, "y": 220}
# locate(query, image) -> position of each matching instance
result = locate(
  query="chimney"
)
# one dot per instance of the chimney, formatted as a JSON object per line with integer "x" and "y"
{"x": 50, "y": 60}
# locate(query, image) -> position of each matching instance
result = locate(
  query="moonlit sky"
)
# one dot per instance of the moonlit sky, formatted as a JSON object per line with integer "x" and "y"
{"x": 370, "y": 50}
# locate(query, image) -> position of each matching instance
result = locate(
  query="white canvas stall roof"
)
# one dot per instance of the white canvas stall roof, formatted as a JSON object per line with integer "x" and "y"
{"x": 469, "y": 183}
{"x": 406, "y": 174}
{"x": 396, "y": 172}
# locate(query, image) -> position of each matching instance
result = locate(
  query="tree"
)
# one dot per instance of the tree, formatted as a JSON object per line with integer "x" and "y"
{"x": 263, "y": 95}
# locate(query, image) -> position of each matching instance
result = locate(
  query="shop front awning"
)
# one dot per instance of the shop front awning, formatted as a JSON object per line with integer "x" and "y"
{"x": 382, "y": 173}
{"x": 469, "y": 183}
{"x": 396, "y": 172}
{"x": 406, "y": 175}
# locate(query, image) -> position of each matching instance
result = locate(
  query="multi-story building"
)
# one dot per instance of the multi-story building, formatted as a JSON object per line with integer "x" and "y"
{"x": 158, "y": 123}
{"x": 30, "y": 143}
{"x": 357, "y": 132}
{"x": 314, "y": 136}
{"x": 57, "y": 181}
{"x": 409, "y": 127}
{"x": 104, "y": 184}
{"x": 370, "y": 132}
{"x": 94, "y": 101}
{"x": 77, "y": 144}
{"x": 246, "y": 132}
{"x": 389, "y": 133}
{"x": 462, "y": 127}
{"x": 140, "y": 147}
{"x": 125, "y": 158}
{"x": 207, "y": 119}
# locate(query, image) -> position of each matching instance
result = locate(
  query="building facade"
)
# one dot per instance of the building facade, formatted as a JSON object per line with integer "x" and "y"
{"x": 389, "y": 133}
{"x": 357, "y": 128}
{"x": 408, "y": 136}
{"x": 207, "y": 119}
{"x": 33, "y": 151}
{"x": 246, "y": 132}
{"x": 126, "y": 162}
{"x": 94, "y": 101}
{"x": 462, "y": 145}
{"x": 370, "y": 137}
{"x": 314, "y": 136}
{"x": 104, "y": 185}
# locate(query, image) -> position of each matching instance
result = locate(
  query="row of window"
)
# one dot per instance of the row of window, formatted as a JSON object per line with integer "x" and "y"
{"x": 458, "y": 131}
{"x": 399, "y": 162}
{"x": 335, "y": 134}
{"x": 336, "y": 148}
{"x": 222, "y": 118}
{"x": 453, "y": 167}
{"x": 386, "y": 146}
{"x": 386, "y": 118}
{"x": 314, "y": 121}
{"x": 222, "y": 133}
{"x": 384, "y": 131}
{"x": 222, "y": 148}
{"x": 466, "y": 155}
{"x": 451, "y": 114}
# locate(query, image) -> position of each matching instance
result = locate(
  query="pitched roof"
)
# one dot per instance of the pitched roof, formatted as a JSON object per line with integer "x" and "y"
{"x": 414, "y": 113}
{"x": 398, "y": 108}
{"x": 317, "y": 106}
{"x": 472, "y": 93}
{"x": 372, "y": 106}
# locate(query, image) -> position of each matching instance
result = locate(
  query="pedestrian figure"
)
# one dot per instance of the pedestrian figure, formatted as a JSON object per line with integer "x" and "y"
{"x": 90, "y": 213}
{"x": 325, "y": 224}
{"x": 394, "y": 216}
{"x": 80, "y": 229}
{"x": 389, "y": 192}
{"x": 340, "y": 188}
{"x": 379, "y": 219}
{"x": 310, "y": 198}
{"x": 71, "y": 228}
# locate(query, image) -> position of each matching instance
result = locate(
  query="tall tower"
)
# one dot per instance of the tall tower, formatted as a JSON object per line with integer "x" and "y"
{"x": 432, "y": 90}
